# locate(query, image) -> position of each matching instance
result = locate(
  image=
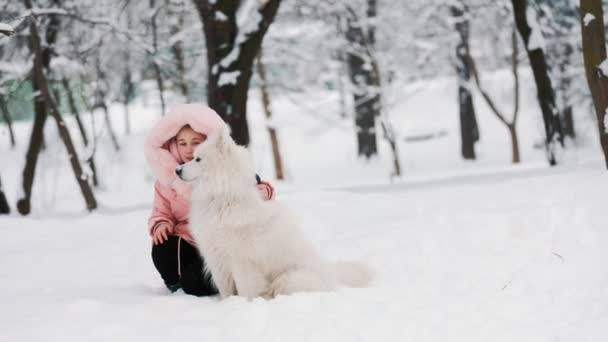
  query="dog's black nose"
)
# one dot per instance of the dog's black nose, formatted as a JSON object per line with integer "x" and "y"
{"x": 178, "y": 171}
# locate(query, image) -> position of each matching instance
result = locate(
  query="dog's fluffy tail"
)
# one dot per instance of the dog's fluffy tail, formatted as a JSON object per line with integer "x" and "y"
{"x": 353, "y": 274}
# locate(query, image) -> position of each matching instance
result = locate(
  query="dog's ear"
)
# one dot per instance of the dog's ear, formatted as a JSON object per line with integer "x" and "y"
{"x": 223, "y": 139}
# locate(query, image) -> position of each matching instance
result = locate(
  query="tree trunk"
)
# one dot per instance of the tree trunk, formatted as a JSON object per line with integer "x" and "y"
{"x": 230, "y": 60}
{"x": 594, "y": 50}
{"x": 81, "y": 129}
{"x": 6, "y": 115}
{"x": 157, "y": 71}
{"x": 100, "y": 95}
{"x": 34, "y": 147}
{"x": 469, "y": 131}
{"x": 40, "y": 115}
{"x": 38, "y": 71}
{"x": 568, "y": 121}
{"x": 160, "y": 85}
{"x": 56, "y": 95}
{"x": 341, "y": 88}
{"x": 546, "y": 96}
{"x": 342, "y": 70}
{"x": 274, "y": 140}
{"x": 516, "y": 99}
{"x": 109, "y": 127}
{"x": 565, "y": 79}
{"x": 178, "y": 54}
{"x": 515, "y": 158}
{"x": 382, "y": 112}
{"x": 74, "y": 110}
{"x": 389, "y": 135}
{"x": 563, "y": 17}
{"x": 129, "y": 87}
{"x": 177, "y": 48}
{"x": 4, "y": 207}
{"x": 512, "y": 125}
{"x": 127, "y": 116}
{"x": 365, "y": 93}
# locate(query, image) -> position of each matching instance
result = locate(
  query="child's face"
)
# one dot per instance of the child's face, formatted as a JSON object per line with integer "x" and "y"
{"x": 187, "y": 140}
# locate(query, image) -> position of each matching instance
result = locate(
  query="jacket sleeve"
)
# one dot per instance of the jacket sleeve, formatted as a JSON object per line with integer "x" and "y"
{"x": 266, "y": 190}
{"x": 161, "y": 212}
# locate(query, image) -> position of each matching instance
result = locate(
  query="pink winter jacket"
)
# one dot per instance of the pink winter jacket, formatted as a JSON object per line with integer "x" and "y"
{"x": 171, "y": 194}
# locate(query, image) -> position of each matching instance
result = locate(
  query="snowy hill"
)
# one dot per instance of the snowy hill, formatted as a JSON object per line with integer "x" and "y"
{"x": 504, "y": 258}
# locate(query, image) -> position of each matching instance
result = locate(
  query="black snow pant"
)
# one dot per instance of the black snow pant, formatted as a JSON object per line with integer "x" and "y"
{"x": 180, "y": 265}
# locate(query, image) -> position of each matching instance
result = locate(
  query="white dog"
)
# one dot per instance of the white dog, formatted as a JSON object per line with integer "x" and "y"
{"x": 252, "y": 247}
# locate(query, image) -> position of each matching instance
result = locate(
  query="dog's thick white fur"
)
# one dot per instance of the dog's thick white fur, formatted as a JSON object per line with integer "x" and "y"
{"x": 252, "y": 247}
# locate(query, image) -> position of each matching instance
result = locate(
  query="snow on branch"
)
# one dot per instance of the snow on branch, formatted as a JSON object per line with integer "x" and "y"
{"x": 604, "y": 67}
{"x": 220, "y": 16}
{"x": 14, "y": 69}
{"x": 6, "y": 29}
{"x": 588, "y": 19}
{"x": 246, "y": 8}
{"x": 67, "y": 67}
{"x": 228, "y": 78}
{"x": 47, "y": 11}
{"x": 232, "y": 56}
{"x": 536, "y": 40}
{"x": 250, "y": 27}
{"x": 251, "y": 30}
{"x": 114, "y": 28}
{"x": 606, "y": 121}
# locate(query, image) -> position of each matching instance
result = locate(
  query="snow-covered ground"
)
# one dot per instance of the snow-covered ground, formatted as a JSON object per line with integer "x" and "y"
{"x": 462, "y": 251}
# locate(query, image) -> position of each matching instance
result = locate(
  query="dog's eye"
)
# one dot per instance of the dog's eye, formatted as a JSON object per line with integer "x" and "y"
{"x": 198, "y": 159}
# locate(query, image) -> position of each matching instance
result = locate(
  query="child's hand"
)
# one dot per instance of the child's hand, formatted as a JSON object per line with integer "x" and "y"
{"x": 161, "y": 233}
{"x": 266, "y": 190}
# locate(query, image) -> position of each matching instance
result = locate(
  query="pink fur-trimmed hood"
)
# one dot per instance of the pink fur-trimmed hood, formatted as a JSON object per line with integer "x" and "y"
{"x": 160, "y": 147}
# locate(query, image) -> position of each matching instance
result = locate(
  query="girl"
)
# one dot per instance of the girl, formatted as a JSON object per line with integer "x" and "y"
{"x": 171, "y": 142}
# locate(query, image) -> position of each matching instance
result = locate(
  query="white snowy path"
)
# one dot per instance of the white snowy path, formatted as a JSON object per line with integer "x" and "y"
{"x": 519, "y": 256}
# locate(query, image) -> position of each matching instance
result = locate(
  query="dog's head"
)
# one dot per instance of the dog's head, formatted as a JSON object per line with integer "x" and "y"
{"x": 218, "y": 161}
